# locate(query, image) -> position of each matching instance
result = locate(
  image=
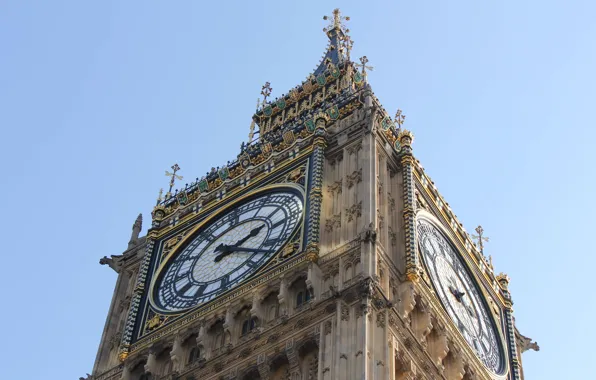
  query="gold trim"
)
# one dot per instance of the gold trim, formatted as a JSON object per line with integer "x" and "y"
{"x": 251, "y": 187}
{"x": 208, "y": 219}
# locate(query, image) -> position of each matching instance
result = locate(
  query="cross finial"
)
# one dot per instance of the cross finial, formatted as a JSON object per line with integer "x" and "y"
{"x": 266, "y": 91}
{"x": 337, "y": 21}
{"x": 399, "y": 118}
{"x": 363, "y": 62}
{"x": 481, "y": 239}
{"x": 173, "y": 179}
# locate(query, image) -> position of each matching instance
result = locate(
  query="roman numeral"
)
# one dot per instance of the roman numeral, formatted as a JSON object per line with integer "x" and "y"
{"x": 183, "y": 290}
{"x": 271, "y": 242}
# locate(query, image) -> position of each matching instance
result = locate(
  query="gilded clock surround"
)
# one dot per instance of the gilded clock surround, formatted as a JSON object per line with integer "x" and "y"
{"x": 191, "y": 233}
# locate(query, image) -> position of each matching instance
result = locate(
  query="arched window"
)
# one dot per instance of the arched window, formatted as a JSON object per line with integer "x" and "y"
{"x": 248, "y": 325}
{"x": 145, "y": 376}
{"x": 272, "y": 313}
{"x": 348, "y": 273}
{"x": 299, "y": 299}
{"x": 194, "y": 354}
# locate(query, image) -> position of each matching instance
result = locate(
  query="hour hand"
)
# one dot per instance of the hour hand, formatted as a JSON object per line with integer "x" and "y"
{"x": 229, "y": 249}
{"x": 457, "y": 294}
{"x": 242, "y": 249}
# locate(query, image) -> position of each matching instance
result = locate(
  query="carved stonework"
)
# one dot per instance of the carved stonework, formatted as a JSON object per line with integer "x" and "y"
{"x": 355, "y": 211}
{"x": 369, "y": 234}
{"x": 354, "y": 148}
{"x": 345, "y": 313}
{"x": 354, "y": 178}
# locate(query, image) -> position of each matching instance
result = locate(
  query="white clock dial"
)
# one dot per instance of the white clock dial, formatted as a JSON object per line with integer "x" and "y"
{"x": 228, "y": 249}
{"x": 459, "y": 294}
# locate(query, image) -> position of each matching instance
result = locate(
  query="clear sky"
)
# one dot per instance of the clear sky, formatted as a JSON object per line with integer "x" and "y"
{"x": 97, "y": 99}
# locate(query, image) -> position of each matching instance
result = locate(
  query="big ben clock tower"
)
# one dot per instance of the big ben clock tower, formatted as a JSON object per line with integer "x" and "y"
{"x": 323, "y": 251}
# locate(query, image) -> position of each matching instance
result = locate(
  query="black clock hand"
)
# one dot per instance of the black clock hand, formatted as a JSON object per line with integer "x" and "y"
{"x": 254, "y": 232}
{"x": 243, "y": 249}
{"x": 457, "y": 294}
{"x": 229, "y": 249}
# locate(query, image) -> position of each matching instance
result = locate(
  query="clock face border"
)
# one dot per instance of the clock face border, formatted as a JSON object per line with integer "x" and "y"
{"x": 163, "y": 264}
{"x": 499, "y": 329}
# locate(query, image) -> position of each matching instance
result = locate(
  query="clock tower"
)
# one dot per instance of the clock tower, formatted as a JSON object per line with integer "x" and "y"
{"x": 322, "y": 251}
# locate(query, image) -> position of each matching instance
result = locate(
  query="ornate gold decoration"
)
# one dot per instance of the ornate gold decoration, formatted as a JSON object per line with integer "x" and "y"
{"x": 337, "y": 21}
{"x": 122, "y": 356}
{"x": 399, "y": 118}
{"x": 266, "y": 91}
{"x": 406, "y": 138}
{"x": 312, "y": 253}
{"x": 159, "y": 212}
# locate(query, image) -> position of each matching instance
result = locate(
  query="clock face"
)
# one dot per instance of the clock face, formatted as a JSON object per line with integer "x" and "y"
{"x": 227, "y": 249}
{"x": 459, "y": 295}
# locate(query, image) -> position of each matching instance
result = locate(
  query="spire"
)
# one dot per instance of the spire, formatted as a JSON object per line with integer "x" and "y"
{"x": 136, "y": 230}
{"x": 340, "y": 43}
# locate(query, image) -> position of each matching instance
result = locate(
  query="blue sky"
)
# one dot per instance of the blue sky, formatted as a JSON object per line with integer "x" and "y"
{"x": 97, "y": 99}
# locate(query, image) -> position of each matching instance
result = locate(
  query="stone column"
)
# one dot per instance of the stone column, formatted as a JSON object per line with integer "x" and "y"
{"x": 151, "y": 365}
{"x": 282, "y": 298}
{"x": 125, "y": 373}
{"x": 405, "y": 138}
{"x": 177, "y": 354}
{"x": 503, "y": 281}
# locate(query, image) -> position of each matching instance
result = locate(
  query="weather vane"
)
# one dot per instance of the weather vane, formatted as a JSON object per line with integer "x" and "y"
{"x": 266, "y": 91}
{"x": 363, "y": 62}
{"x": 337, "y": 22}
{"x": 481, "y": 239}
{"x": 399, "y": 118}
{"x": 174, "y": 176}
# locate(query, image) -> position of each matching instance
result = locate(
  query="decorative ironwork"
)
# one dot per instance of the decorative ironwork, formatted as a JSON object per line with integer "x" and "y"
{"x": 399, "y": 118}
{"x": 173, "y": 179}
{"x": 337, "y": 22}
{"x": 266, "y": 91}
{"x": 362, "y": 64}
{"x": 481, "y": 239}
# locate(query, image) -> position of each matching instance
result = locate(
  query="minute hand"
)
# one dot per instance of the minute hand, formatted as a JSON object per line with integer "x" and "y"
{"x": 242, "y": 249}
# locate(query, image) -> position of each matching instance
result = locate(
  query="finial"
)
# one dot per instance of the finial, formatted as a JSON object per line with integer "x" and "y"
{"x": 399, "y": 118}
{"x": 481, "y": 239}
{"x": 363, "y": 62}
{"x": 252, "y": 125}
{"x": 174, "y": 176}
{"x": 346, "y": 45}
{"x": 159, "y": 196}
{"x": 266, "y": 91}
{"x": 136, "y": 230}
{"x": 337, "y": 22}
